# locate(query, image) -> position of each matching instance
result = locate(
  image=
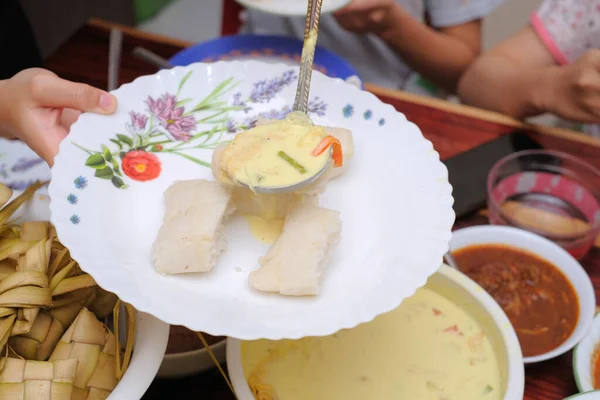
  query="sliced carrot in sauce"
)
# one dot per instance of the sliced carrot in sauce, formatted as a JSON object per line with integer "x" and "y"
{"x": 338, "y": 156}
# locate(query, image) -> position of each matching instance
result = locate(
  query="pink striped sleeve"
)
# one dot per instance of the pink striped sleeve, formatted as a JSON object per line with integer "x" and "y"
{"x": 568, "y": 28}
{"x": 548, "y": 40}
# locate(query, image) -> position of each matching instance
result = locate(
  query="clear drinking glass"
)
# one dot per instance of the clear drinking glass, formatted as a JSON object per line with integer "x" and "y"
{"x": 549, "y": 193}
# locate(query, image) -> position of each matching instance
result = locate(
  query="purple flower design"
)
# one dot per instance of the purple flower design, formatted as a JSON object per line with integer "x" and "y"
{"x": 24, "y": 164}
{"x": 138, "y": 120}
{"x": 265, "y": 90}
{"x": 275, "y": 113}
{"x": 3, "y": 170}
{"x": 20, "y": 184}
{"x": 231, "y": 126}
{"x": 138, "y": 123}
{"x": 315, "y": 106}
{"x": 171, "y": 117}
{"x": 237, "y": 101}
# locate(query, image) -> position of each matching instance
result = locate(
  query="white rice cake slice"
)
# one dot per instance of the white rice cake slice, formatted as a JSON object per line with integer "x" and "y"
{"x": 295, "y": 263}
{"x": 192, "y": 235}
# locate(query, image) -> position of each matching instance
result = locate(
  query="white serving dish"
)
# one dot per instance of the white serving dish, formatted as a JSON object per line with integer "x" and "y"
{"x": 401, "y": 238}
{"x": 465, "y": 293}
{"x": 573, "y": 271}
{"x": 583, "y": 357}
{"x": 180, "y": 365}
{"x": 594, "y": 395}
{"x": 149, "y": 348}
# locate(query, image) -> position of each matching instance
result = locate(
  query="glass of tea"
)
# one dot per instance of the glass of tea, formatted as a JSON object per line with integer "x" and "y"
{"x": 549, "y": 193}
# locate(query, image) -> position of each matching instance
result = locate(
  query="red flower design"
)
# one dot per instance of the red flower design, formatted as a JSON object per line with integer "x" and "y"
{"x": 141, "y": 166}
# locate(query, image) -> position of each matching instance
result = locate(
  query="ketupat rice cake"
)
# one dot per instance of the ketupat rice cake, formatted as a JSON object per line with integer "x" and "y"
{"x": 191, "y": 237}
{"x": 296, "y": 261}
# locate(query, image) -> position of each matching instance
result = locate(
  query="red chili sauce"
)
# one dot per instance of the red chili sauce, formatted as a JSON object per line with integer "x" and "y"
{"x": 539, "y": 300}
{"x": 596, "y": 369}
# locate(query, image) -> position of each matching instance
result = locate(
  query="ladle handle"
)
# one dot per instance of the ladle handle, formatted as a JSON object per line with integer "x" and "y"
{"x": 311, "y": 30}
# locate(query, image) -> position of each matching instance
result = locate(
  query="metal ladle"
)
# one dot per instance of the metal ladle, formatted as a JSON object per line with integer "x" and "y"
{"x": 311, "y": 31}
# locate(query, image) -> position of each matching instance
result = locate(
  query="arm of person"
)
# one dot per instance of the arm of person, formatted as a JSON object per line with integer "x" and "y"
{"x": 512, "y": 78}
{"x": 442, "y": 55}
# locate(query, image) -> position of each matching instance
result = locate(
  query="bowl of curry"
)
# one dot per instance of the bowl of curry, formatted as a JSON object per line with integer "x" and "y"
{"x": 450, "y": 340}
{"x": 546, "y": 294}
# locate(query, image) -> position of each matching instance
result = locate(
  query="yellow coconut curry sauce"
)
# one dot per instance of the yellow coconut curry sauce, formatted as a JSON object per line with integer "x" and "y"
{"x": 264, "y": 230}
{"x": 281, "y": 153}
{"x": 427, "y": 349}
{"x": 277, "y": 154}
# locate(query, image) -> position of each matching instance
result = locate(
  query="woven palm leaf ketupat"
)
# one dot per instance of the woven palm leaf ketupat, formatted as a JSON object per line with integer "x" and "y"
{"x": 103, "y": 304}
{"x": 37, "y": 380}
{"x": 41, "y": 288}
{"x": 58, "y": 348}
{"x": 93, "y": 345}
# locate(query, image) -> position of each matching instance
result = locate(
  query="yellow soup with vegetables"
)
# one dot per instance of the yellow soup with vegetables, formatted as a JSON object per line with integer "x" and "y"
{"x": 277, "y": 154}
{"x": 426, "y": 349}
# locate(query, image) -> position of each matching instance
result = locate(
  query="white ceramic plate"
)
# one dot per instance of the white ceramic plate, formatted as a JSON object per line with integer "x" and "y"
{"x": 583, "y": 357}
{"x": 292, "y": 7}
{"x": 395, "y": 201}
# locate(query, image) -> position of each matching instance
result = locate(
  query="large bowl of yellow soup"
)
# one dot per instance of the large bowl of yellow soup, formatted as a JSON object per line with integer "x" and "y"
{"x": 449, "y": 341}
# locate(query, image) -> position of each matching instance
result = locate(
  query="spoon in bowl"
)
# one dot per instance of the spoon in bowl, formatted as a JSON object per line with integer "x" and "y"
{"x": 311, "y": 31}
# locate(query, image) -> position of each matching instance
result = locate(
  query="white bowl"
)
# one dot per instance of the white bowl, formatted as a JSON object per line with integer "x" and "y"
{"x": 583, "y": 357}
{"x": 465, "y": 293}
{"x": 151, "y": 338}
{"x": 573, "y": 271}
{"x": 180, "y": 365}
{"x": 593, "y": 395}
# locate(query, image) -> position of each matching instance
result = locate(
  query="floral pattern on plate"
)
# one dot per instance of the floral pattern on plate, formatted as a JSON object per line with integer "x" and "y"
{"x": 169, "y": 125}
{"x": 19, "y": 166}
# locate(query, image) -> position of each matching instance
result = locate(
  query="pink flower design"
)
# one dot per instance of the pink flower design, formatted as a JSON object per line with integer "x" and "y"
{"x": 138, "y": 120}
{"x": 171, "y": 117}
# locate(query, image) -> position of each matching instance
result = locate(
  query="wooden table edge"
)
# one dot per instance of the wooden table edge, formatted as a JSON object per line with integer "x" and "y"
{"x": 128, "y": 30}
{"x": 481, "y": 114}
{"x": 459, "y": 109}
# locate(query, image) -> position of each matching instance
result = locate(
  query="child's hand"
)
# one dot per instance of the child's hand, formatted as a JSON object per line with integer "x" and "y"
{"x": 38, "y": 107}
{"x": 574, "y": 90}
{"x": 367, "y": 16}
